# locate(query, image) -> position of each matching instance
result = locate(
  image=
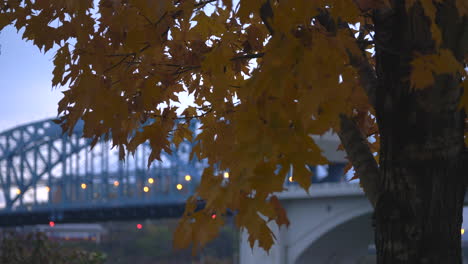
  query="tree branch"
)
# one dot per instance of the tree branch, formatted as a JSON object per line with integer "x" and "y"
{"x": 266, "y": 13}
{"x": 367, "y": 76}
{"x": 463, "y": 43}
{"x": 464, "y": 162}
{"x": 360, "y": 156}
{"x": 249, "y": 56}
{"x": 201, "y": 4}
{"x": 366, "y": 72}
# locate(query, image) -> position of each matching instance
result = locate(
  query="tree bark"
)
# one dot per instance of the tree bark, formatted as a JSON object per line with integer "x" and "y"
{"x": 422, "y": 184}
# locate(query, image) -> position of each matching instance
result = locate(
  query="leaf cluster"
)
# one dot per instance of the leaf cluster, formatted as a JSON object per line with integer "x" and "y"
{"x": 265, "y": 76}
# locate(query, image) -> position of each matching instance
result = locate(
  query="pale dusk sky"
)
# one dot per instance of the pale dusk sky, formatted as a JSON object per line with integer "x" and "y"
{"x": 25, "y": 82}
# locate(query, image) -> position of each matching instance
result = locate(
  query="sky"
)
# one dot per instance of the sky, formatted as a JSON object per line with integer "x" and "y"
{"x": 25, "y": 82}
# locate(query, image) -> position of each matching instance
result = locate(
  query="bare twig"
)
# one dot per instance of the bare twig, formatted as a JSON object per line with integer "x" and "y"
{"x": 125, "y": 56}
{"x": 117, "y": 64}
{"x": 186, "y": 117}
{"x": 249, "y": 56}
{"x": 201, "y": 4}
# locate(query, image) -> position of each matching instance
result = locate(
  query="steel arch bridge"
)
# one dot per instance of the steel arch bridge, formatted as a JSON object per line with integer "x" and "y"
{"x": 46, "y": 175}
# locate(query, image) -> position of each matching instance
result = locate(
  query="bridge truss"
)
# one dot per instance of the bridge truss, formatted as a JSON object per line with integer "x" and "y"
{"x": 46, "y": 175}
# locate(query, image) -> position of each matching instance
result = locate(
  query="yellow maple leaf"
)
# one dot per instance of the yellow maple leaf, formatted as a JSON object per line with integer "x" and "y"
{"x": 462, "y": 7}
{"x": 4, "y": 20}
{"x": 61, "y": 59}
{"x": 302, "y": 176}
{"x": 259, "y": 231}
{"x": 282, "y": 218}
{"x": 345, "y": 9}
{"x": 247, "y": 7}
{"x": 424, "y": 67}
{"x": 430, "y": 11}
{"x": 208, "y": 26}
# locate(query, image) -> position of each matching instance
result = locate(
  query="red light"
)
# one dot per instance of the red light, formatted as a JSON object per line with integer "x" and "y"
{"x": 213, "y": 216}
{"x": 139, "y": 226}
{"x": 51, "y": 224}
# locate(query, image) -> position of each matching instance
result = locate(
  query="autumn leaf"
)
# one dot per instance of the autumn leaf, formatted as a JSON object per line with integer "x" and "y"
{"x": 246, "y": 7}
{"x": 207, "y": 26}
{"x": 462, "y": 7}
{"x": 280, "y": 212}
{"x": 258, "y": 230}
{"x": 4, "y": 20}
{"x": 424, "y": 67}
{"x": 62, "y": 58}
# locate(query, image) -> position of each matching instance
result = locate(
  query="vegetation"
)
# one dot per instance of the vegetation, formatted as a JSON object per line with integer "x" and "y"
{"x": 265, "y": 75}
{"x": 36, "y": 248}
{"x": 123, "y": 243}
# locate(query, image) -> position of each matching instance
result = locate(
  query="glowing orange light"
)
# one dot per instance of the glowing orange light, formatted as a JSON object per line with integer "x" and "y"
{"x": 291, "y": 179}
{"x": 146, "y": 189}
{"x": 18, "y": 191}
{"x": 226, "y": 175}
{"x": 83, "y": 186}
{"x": 150, "y": 180}
{"x": 462, "y": 231}
{"x": 51, "y": 223}
{"x": 179, "y": 186}
{"x": 139, "y": 226}
{"x": 188, "y": 177}
{"x": 47, "y": 189}
{"x": 116, "y": 183}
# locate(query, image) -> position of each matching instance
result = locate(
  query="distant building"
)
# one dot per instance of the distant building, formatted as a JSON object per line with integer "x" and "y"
{"x": 87, "y": 232}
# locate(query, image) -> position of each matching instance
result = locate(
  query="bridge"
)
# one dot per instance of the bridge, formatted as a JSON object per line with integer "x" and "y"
{"x": 330, "y": 224}
{"x": 47, "y": 176}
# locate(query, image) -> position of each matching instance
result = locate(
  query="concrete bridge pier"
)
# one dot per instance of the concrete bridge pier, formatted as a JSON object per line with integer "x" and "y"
{"x": 332, "y": 225}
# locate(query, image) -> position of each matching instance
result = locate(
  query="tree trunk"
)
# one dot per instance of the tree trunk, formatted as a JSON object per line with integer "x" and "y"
{"x": 418, "y": 214}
